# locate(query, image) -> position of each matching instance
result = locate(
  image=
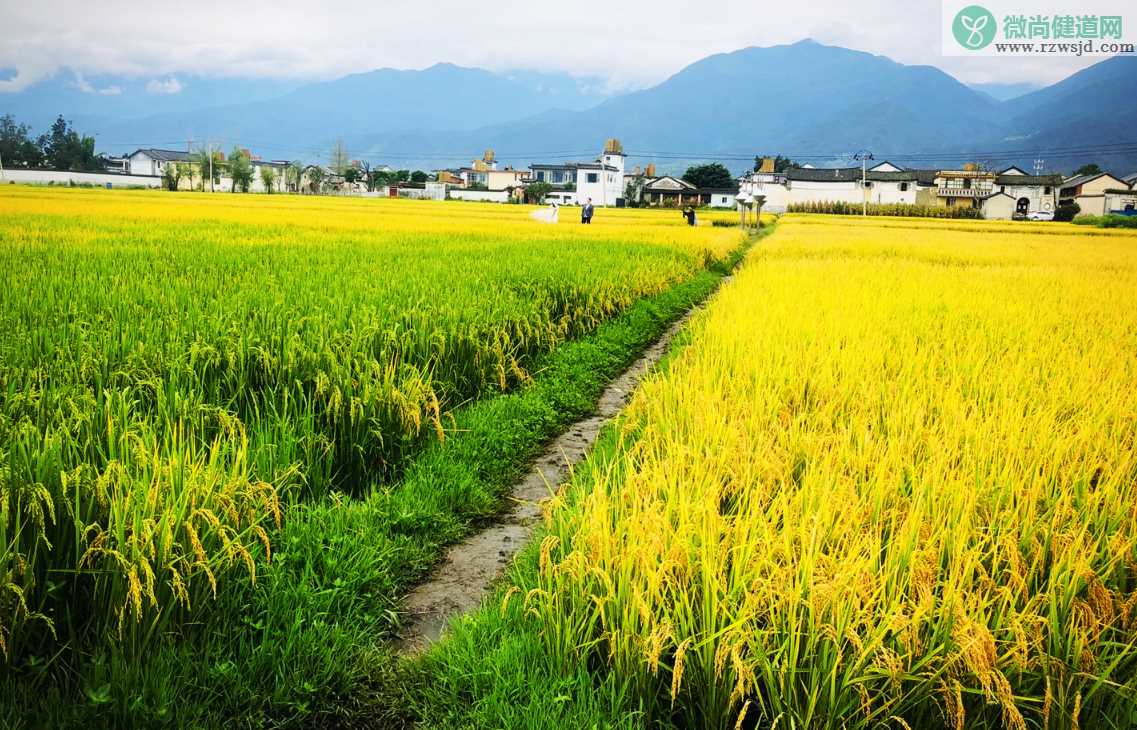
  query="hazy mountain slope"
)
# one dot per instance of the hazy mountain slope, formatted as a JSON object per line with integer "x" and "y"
{"x": 1094, "y": 110}
{"x": 303, "y": 120}
{"x": 815, "y": 102}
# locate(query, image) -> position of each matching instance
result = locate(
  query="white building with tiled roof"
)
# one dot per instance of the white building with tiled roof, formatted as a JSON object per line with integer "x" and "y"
{"x": 152, "y": 161}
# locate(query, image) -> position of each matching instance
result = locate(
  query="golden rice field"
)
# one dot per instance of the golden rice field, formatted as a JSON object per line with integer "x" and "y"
{"x": 176, "y": 369}
{"x": 891, "y": 482}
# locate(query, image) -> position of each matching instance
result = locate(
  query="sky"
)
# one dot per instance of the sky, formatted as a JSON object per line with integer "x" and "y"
{"x": 630, "y": 43}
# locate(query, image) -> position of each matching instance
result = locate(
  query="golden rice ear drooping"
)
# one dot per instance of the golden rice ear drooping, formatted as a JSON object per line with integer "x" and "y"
{"x": 889, "y": 482}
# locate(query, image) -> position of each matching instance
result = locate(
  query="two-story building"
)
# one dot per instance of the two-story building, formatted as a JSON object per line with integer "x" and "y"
{"x": 966, "y": 188}
{"x": 602, "y": 181}
{"x": 1098, "y": 194}
{"x": 1031, "y": 193}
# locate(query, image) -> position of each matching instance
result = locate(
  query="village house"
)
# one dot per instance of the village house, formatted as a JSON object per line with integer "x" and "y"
{"x": 116, "y": 165}
{"x": 484, "y": 174}
{"x": 1031, "y": 193}
{"x": 1098, "y": 194}
{"x": 964, "y": 188}
{"x": 999, "y": 206}
{"x": 665, "y": 191}
{"x": 668, "y": 191}
{"x": 603, "y": 180}
{"x": 558, "y": 175}
{"x": 449, "y": 177}
{"x": 884, "y": 184}
{"x": 153, "y": 162}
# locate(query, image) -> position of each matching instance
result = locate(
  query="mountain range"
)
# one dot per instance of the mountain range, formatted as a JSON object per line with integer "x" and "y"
{"x": 813, "y": 102}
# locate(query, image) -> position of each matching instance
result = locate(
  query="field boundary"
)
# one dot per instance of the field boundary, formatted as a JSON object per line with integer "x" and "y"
{"x": 471, "y": 567}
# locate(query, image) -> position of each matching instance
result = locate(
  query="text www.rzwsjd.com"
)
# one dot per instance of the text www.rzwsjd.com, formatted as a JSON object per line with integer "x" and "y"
{"x": 1066, "y": 49}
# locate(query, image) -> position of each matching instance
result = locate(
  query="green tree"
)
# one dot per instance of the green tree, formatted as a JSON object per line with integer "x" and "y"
{"x": 418, "y": 176}
{"x": 352, "y": 175}
{"x": 315, "y": 178}
{"x": 1066, "y": 212}
{"x": 268, "y": 178}
{"x": 535, "y": 192}
{"x": 65, "y": 149}
{"x": 781, "y": 164}
{"x": 211, "y": 164}
{"x": 1090, "y": 169}
{"x": 187, "y": 170}
{"x": 713, "y": 175}
{"x": 171, "y": 176}
{"x": 17, "y": 148}
{"x": 241, "y": 170}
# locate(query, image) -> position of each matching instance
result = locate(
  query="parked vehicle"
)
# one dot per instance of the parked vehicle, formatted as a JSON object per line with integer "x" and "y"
{"x": 1040, "y": 215}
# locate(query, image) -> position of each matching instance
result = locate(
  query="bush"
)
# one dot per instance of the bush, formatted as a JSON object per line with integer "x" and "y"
{"x": 1107, "y": 221}
{"x": 841, "y": 207}
{"x": 1066, "y": 211}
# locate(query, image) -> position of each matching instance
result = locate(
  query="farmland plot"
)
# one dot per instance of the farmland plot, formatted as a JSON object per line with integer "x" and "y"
{"x": 177, "y": 370}
{"x": 891, "y": 481}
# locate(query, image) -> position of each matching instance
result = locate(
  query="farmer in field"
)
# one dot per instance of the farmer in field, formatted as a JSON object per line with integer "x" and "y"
{"x": 586, "y": 212}
{"x": 689, "y": 214}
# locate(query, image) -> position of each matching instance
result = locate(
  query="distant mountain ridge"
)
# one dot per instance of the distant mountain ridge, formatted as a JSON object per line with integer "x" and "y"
{"x": 815, "y": 102}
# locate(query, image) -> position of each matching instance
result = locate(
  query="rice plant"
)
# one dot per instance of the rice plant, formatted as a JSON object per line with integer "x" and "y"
{"x": 890, "y": 482}
{"x": 177, "y": 369}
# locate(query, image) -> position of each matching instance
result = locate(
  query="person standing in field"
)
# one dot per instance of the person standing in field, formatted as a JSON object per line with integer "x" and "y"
{"x": 689, "y": 214}
{"x": 586, "y": 212}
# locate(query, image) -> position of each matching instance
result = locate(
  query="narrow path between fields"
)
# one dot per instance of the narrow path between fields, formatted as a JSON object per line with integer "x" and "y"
{"x": 470, "y": 568}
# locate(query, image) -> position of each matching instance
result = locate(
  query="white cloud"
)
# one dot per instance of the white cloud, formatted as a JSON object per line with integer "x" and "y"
{"x": 632, "y": 43}
{"x": 81, "y": 83}
{"x": 169, "y": 86}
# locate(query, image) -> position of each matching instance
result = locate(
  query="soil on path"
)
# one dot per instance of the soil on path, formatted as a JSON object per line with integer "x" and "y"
{"x": 471, "y": 566}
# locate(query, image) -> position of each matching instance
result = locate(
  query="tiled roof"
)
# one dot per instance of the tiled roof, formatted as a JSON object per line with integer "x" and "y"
{"x": 821, "y": 174}
{"x": 1081, "y": 180}
{"x": 163, "y": 155}
{"x": 1052, "y": 180}
{"x": 848, "y": 174}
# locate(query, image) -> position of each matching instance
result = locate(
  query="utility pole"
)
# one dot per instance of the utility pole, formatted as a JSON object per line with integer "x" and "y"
{"x": 1039, "y": 166}
{"x": 864, "y": 156}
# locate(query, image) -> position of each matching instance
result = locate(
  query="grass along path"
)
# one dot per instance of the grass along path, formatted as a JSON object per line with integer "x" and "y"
{"x": 465, "y": 577}
{"x": 306, "y": 646}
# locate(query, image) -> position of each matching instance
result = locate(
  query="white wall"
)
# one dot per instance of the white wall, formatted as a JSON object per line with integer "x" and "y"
{"x": 486, "y": 196}
{"x": 609, "y": 185}
{"x": 776, "y": 194}
{"x": 889, "y": 193}
{"x": 141, "y": 163}
{"x": 1033, "y": 193}
{"x": 998, "y": 208}
{"x": 43, "y": 177}
{"x": 780, "y": 196}
{"x": 801, "y": 191}
{"x": 1117, "y": 202}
